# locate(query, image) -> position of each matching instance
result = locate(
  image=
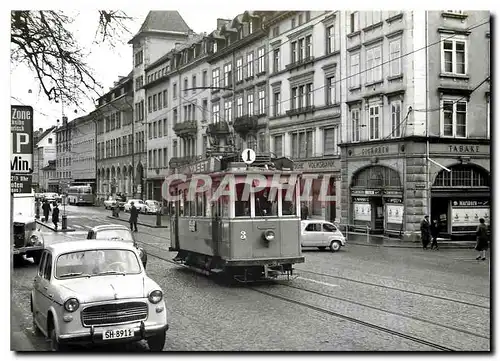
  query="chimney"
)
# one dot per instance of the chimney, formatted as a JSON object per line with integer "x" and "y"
{"x": 65, "y": 120}
{"x": 40, "y": 130}
{"x": 221, "y": 22}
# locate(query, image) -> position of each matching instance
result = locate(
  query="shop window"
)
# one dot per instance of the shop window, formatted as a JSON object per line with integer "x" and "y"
{"x": 462, "y": 176}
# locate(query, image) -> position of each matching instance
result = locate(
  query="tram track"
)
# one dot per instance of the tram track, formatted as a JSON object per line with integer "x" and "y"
{"x": 346, "y": 317}
{"x": 403, "y": 290}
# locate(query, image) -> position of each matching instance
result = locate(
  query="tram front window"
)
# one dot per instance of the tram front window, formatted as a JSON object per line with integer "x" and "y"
{"x": 288, "y": 204}
{"x": 264, "y": 206}
{"x": 241, "y": 206}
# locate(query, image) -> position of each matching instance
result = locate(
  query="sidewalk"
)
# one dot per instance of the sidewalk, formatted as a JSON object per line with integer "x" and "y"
{"x": 148, "y": 222}
{"x": 361, "y": 239}
{"x": 52, "y": 228}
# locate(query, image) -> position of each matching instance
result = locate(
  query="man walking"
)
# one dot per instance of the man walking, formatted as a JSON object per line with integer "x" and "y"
{"x": 434, "y": 234}
{"x": 425, "y": 231}
{"x": 134, "y": 214}
{"x": 46, "y": 210}
{"x": 482, "y": 239}
{"x": 55, "y": 215}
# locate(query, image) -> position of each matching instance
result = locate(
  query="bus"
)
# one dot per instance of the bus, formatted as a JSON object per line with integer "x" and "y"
{"x": 80, "y": 195}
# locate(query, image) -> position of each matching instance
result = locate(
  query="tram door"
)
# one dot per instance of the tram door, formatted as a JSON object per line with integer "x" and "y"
{"x": 174, "y": 227}
{"x": 216, "y": 227}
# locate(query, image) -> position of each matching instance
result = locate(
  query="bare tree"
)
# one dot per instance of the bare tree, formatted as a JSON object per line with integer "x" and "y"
{"x": 41, "y": 40}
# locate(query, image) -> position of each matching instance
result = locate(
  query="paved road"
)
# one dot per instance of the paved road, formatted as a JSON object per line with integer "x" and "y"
{"x": 358, "y": 299}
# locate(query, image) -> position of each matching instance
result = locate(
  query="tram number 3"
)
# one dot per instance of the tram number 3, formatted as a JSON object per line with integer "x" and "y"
{"x": 243, "y": 235}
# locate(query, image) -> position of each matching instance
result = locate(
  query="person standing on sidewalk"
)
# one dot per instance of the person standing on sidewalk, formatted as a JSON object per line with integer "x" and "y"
{"x": 434, "y": 234}
{"x": 482, "y": 239}
{"x": 46, "y": 210}
{"x": 55, "y": 215}
{"x": 134, "y": 214}
{"x": 425, "y": 231}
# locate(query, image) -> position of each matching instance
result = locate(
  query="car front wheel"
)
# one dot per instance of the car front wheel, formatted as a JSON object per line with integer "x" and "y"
{"x": 54, "y": 344}
{"x": 335, "y": 246}
{"x": 157, "y": 342}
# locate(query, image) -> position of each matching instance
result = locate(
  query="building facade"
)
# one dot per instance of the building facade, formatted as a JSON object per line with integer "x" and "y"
{"x": 44, "y": 152}
{"x": 416, "y": 135}
{"x": 159, "y": 33}
{"x": 83, "y": 164}
{"x": 115, "y": 144}
{"x": 64, "y": 156}
{"x": 175, "y": 115}
{"x": 48, "y": 173}
{"x": 305, "y": 119}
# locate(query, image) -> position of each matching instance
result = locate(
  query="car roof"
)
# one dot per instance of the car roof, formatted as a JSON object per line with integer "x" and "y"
{"x": 103, "y": 227}
{"x": 87, "y": 245}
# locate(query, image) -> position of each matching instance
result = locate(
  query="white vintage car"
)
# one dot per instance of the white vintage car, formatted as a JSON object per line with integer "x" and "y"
{"x": 94, "y": 291}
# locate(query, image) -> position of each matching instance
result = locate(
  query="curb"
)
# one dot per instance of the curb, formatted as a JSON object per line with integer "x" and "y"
{"x": 138, "y": 223}
{"x": 442, "y": 246}
{"x": 55, "y": 230}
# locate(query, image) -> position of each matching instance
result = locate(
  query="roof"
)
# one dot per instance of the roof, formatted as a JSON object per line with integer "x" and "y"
{"x": 163, "y": 21}
{"x": 87, "y": 245}
{"x": 41, "y": 136}
{"x": 51, "y": 166}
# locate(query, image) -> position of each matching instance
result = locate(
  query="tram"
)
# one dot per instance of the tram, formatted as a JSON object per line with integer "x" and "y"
{"x": 244, "y": 224}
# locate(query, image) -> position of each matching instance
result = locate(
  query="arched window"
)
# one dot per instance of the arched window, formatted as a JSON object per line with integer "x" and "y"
{"x": 462, "y": 176}
{"x": 376, "y": 177}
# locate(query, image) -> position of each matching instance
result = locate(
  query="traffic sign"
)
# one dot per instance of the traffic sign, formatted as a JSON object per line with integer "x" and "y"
{"x": 20, "y": 183}
{"x": 21, "y": 128}
{"x": 248, "y": 156}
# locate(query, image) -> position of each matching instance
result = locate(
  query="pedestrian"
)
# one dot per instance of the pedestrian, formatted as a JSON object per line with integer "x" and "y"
{"x": 434, "y": 234}
{"x": 55, "y": 215}
{"x": 134, "y": 214}
{"x": 46, "y": 210}
{"x": 482, "y": 239}
{"x": 425, "y": 231}
{"x": 304, "y": 211}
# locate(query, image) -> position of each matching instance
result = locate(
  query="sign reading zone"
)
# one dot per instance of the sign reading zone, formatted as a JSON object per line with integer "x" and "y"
{"x": 21, "y": 158}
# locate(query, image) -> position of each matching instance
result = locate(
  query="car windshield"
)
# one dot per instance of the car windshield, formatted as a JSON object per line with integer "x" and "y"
{"x": 97, "y": 263}
{"x": 115, "y": 235}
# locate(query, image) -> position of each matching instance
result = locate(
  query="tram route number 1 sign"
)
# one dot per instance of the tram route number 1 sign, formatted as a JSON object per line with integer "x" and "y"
{"x": 20, "y": 183}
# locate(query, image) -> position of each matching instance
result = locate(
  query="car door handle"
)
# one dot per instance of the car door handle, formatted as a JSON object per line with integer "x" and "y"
{"x": 45, "y": 288}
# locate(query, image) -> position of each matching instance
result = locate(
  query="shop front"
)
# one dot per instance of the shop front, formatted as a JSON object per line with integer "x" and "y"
{"x": 319, "y": 182}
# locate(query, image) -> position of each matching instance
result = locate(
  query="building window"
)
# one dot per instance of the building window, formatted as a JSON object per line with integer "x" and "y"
{"x": 227, "y": 75}
{"x": 330, "y": 90}
{"x": 454, "y": 118}
{"x": 488, "y": 118}
{"x": 396, "y": 118}
{"x": 276, "y": 103}
{"x": 276, "y": 31}
{"x": 250, "y": 64}
{"x": 138, "y": 58}
{"x": 354, "y": 78}
{"x": 228, "y": 111}
{"x": 302, "y": 144}
{"x": 355, "y": 125}
{"x": 239, "y": 106}
{"x": 330, "y": 39}
{"x": 454, "y": 56}
{"x": 250, "y": 104}
{"x": 193, "y": 85}
{"x": 278, "y": 145}
{"x": 261, "y": 64}
{"x": 175, "y": 116}
{"x": 150, "y": 131}
{"x": 374, "y": 118}
{"x": 160, "y": 128}
{"x": 373, "y": 64}
{"x": 262, "y": 101}
{"x": 373, "y": 17}
{"x": 174, "y": 148}
{"x": 309, "y": 50}
{"x": 165, "y": 104}
{"x": 159, "y": 100}
{"x": 395, "y": 57}
{"x": 215, "y": 113}
{"x": 205, "y": 144}
{"x": 215, "y": 78}
{"x": 174, "y": 90}
{"x": 354, "y": 21}
{"x": 302, "y": 49}
{"x": 239, "y": 69}
{"x": 294, "y": 52}
{"x": 293, "y": 23}
{"x": 150, "y": 109}
{"x": 262, "y": 142}
{"x": 330, "y": 141}
{"x": 186, "y": 86}
{"x": 302, "y": 96}
{"x": 204, "y": 109}
{"x": 276, "y": 60}
{"x": 204, "y": 79}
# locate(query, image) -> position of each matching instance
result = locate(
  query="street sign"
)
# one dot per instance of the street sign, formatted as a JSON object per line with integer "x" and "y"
{"x": 248, "y": 156}
{"x": 21, "y": 128}
{"x": 20, "y": 183}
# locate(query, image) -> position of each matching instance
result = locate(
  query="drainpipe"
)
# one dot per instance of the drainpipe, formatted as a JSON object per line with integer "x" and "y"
{"x": 428, "y": 186}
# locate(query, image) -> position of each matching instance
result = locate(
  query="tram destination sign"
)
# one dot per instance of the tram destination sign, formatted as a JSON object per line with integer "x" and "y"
{"x": 21, "y": 128}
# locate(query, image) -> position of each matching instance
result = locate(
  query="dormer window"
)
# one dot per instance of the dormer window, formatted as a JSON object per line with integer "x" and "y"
{"x": 240, "y": 33}
{"x": 250, "y": 27}
{"x": 215, "y": 46}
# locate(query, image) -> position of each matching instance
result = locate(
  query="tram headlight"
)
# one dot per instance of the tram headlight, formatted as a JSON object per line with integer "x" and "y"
{"x": 269, "y": 235}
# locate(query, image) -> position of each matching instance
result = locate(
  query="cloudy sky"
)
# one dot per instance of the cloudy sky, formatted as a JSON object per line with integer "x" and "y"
{"x": 108, "y": 63}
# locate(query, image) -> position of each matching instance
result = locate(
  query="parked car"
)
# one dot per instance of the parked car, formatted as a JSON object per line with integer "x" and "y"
{"x": 117, "y": 232}
{"x": 138, "y": 203}
{"x": 110, "y": 203}
{"x": 90, "y": 292}
{"x": 152, "y": 207}
{"x": 321, "y": 234}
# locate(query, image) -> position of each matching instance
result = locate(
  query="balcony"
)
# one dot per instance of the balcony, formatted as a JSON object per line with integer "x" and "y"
{"x": 187, "y": 128}
{"x": 301, "y": 110}
{"x": 245, "y": 123}
{"x": 221, "y": 128}
{"x": 176, "y": 162}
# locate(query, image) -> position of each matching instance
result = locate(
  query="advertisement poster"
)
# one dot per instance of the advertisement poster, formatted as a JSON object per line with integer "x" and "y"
{"x": 394, "y": 213}
{"x": 362, "y": 211}
{"x": 462, "y": 217}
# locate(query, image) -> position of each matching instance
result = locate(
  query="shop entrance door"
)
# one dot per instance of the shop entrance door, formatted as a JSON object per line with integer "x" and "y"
{"x": 377, "y": 214}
